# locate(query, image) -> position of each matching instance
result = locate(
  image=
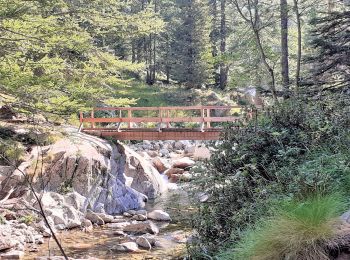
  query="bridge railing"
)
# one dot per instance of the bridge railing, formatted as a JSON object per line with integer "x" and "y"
{"x": 164, "y": 115}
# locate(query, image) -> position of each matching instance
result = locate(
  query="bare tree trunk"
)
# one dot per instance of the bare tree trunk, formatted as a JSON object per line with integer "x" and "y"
{"x": 133, "y": 51}
{"x": 223, "y": 35}
{"x": 331, "y": 5}
{"x": 297, "y": 14}
{"x": 267, "y": 65}
{"x": 284, "y": 46}
{"x": 254, "y": 22}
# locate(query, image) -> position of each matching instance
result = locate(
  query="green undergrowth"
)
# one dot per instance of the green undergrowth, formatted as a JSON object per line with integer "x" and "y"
{"x": 291, "y": 153}
{"x": 14, "y": 144}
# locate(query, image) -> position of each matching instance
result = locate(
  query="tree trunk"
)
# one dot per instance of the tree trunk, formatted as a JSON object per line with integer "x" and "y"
{"x": 213, "y": 40}
{"x": 267, "y": 65}
{"x": 284, "y": 47}
{"x": 133, "y": 51}
{"x": 297, "y": 14}
{"x": 223, "y": 35}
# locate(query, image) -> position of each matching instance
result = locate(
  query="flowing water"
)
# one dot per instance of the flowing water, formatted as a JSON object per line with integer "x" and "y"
{"x": 172, "y": 236}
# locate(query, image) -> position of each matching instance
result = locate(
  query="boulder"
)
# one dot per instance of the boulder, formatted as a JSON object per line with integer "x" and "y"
{"x": 186, "y": 177}
{"x": 13, "y": 255}
{"x": 159, "y": 165}
{"x": 62, "y": 214}
{"x": 183, "y": 163}
{"x": 119, "y": 233}
{"x": 174, "y": 178}
{"x": 174, "y": 171}
{"x": 142, "y": 228}
{"x": 152, "y": 154}
{"x": 143, "y": 242}
{"x": 120, "y": 225}
{"x": 139, "y": 217}
{"x": 93, "y": 169}
{"x": 44, "y": 229}
{"x": 94, "y": 217}
{"x": 201, "y": 153}
{"x": 87, "y": 226}
{"x": 6, "y": 243}
{"x": 147, "y": 181}
{"x": 164, "y": 152}
{"x": 179, "y": 145}
{"x": 190, "y": 149}
{"x": 126, "y": 247}
{"x": 159, "y": 215}
{"x": 76, "y": 200}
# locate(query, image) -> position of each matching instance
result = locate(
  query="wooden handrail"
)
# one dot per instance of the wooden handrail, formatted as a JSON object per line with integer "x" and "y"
{"x": 163, "y": 116}
{"x": 164, "y": 108}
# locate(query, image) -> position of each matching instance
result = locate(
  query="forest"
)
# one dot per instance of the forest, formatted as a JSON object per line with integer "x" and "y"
{"x": 276, "y": 186}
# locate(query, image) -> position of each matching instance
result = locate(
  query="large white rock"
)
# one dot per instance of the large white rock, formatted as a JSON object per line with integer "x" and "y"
{"x": 91, "y": 167}
{"x": 62, "y": 214}
{"x": 147, "y": 179}
{"x": 159, "y": 215}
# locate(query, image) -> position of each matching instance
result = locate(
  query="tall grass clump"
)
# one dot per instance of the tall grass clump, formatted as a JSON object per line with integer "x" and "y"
{"x": 298, "y": 230}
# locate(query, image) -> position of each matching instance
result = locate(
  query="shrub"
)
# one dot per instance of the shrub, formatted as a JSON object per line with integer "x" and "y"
{"x": 11, "y": 152}
{"x": 27, "y": 219}
{"x": 2, "y": 220}
{"x": 299, "y": 230}
{"x": 292, "y": 151}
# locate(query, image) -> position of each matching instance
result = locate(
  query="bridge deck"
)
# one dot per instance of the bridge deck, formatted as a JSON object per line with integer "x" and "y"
{"x": 110, "y": 125}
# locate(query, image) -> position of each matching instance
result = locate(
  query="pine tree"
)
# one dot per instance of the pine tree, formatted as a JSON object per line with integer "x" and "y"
{"x": 60, "y": 56}
{"x": 190, "y": 48}
{"x": 331, "y": 63}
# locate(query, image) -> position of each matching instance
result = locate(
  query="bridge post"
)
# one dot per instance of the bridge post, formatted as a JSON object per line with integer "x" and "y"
{"x": 202, "y": 117}
{"x": 208, "y": 116}
{"x": 168, "y": 116}
{"x": 92, "y": 116}
{"x": 160, "y": 119}
{"x": 129, "y": 117}
{"x": 81, "y": 117}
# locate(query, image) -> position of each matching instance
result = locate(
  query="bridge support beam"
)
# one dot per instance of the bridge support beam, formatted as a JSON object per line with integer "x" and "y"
{"x": 155, "y": 135}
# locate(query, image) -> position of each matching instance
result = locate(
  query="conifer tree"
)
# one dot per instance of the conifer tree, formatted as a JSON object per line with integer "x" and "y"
{"x": 190, "y": 48}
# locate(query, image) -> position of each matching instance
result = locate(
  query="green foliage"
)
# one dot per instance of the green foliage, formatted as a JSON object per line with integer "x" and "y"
{"x": 298, "y": 230}
{"x": 190, "y": 49}
{"x": 11, "y": 152}
{"x": 291, "y": 152}
{"x": 51, "y": 59}
{"x": 27, "y": 219}
{"x": 65, "y": 187}
{"x": 2, "y": 220}
{"x": 330, "y": 40}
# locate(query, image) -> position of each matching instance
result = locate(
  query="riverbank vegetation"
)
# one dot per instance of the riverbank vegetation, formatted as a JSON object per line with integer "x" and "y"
{"x": 295, "y": 151}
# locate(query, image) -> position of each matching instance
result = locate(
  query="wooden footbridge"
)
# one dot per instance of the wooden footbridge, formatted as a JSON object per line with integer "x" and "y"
{"x": 159, "y": 123}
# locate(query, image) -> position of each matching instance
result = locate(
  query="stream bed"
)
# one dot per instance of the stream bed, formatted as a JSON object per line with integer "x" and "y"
{"x": 99, "y": 243}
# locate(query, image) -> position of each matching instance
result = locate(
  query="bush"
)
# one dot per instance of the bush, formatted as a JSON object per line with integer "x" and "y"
{"x": 27, "y": 219}
{"x": 292, "y": 151}
{"x": 299, "y": 230}
{"x": 11, "y": 152}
